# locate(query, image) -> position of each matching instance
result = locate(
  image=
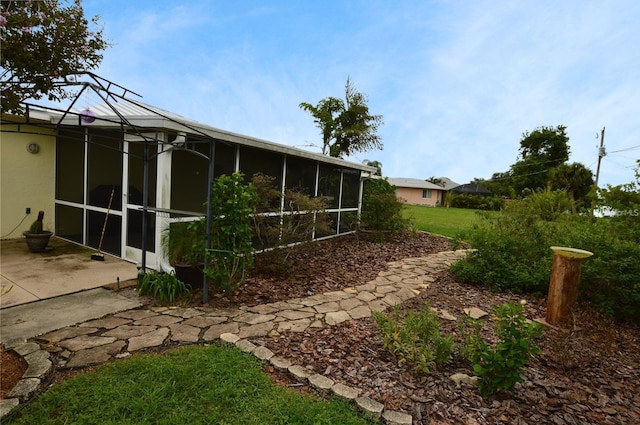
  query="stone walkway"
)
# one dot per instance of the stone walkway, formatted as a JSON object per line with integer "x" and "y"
{"x": 121, "y": 334}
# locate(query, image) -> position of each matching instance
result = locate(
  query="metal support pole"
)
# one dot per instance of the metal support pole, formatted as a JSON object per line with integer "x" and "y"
{"x": 145, "y": 205}
{"x": 205, "y": 280}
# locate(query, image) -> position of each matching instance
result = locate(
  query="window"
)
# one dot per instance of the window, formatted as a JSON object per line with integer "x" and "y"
{"x": 426, "y": 193}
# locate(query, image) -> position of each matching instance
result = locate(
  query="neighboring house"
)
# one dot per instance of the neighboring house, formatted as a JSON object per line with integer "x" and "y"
{"x": 79, "y": 166}
{"x": 418, "y": 192}
{"x": 471, "y": 189}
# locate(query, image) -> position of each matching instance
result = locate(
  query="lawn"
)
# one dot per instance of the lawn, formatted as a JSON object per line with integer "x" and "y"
{"x": 440, "y": 220}
{"x": 214, "y": 384}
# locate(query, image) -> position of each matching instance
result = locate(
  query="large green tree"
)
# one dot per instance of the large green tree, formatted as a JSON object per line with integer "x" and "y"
{"x": 576, "y": 180}
{"x": 541, "y": 150}
{"x": 346, "y": 125}
{"x": 41, "y": 43}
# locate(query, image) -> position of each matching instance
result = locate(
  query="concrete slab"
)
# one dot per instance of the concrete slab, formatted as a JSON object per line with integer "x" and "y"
{"x": 63, "y": 269}
{"x": 29, "y": 320}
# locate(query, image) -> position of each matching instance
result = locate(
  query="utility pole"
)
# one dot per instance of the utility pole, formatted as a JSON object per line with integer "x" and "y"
{"x": 601, "y": 154}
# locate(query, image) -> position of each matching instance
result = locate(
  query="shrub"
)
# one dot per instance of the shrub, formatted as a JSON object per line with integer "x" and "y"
{"x": 230, "y": 254}
{"x": 474, "y": 202}
{"x": 415, "y": 339}
{"x": 381, "y": 209}
{"x": 513, "y": 252}
{"x": 500, "y": 366}
{"x": 164, "y": 288}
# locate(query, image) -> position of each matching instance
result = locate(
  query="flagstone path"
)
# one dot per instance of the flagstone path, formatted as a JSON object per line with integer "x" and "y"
{"x": 121, "y": 334}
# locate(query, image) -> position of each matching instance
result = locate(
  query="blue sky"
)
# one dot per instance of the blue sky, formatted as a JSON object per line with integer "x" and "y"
{"x": 457, "y": 82}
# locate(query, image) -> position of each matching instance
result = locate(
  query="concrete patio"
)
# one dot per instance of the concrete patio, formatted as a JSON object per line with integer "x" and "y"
{"x": 65, "y": 268}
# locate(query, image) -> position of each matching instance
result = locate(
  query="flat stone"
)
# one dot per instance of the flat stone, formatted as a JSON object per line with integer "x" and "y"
{"x": 263, "y": 309}
{"x": 26, "y": 348}
{"x": 136, "y": 314}
{"x": 226, "y": 312}
{"x": 39, "y": 364}
{"x": 350, "y": 304}
{"x": 246, "y": 346}
{"x": 185, "y": 313}
{"x": 163, "y": 320}
{"x": 336, "y": 317}
{"x": 320, "y": 382}
{"x": 385, "y": 289}
{"x": 24, "y": 388}
{"x": 405, "y": 294}
{"x": 205, "y": 321}
{"x": 184, "y": 333}
{"x": 360, "y": 312}
{"x": 446, "y": 315}
{"x": 84, "y": 342}
{"x": 327, "y": 307}
{"x": 66, "y": 333}
{"x": 378, "y": 305}
{"x": 475, "y": 312}
{"x": 6, "y": 405}
{"x": 294, "y": 325}
{"x": 280, "y": 363}
{"x": 261, "y": 329}
{"x": 253, "y": 318}
{"x": 392, "y": 417}
{"x": 338, "y": 294}
{"x": 96, "y": 355}
{"x": 299, "y": 372}
{"x": 317, "y": 324}
{"x": 366, "y": 296}
{"x": 129, "y": 331}
{"x": 392, "y": 299}
{"x": 263, "y": 353}
{"x": 370, "y": 407}
{"x": 345, "y": 392}
{"x": 106, "y": 322}
{"x": 150, "y": 339}
{"x": 229, "y": 338}
{"x": 368, "y": 287}
{"x": 295, "y": 314}
{"x": 215, "y": 331}
{"x": 351, "y": 291}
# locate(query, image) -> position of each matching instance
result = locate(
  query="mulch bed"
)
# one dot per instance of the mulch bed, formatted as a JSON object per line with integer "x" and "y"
{"x": 588, "y": 373}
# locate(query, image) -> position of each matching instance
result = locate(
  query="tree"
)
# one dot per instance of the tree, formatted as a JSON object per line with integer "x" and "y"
{"x": 540, "y": 151}
{"x": 576, "y": 180}
{"x": 43, "y": 42}
{"x": 435, "y": 180}
{"x": 346, "y": 126}
{"x": 376, "y": 164}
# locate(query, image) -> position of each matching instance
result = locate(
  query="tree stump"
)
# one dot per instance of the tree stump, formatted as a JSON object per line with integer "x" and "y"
{"x": 565, "y": 278}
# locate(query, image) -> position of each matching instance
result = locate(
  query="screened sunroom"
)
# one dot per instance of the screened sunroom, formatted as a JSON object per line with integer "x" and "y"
{"x": 124, "y": 173}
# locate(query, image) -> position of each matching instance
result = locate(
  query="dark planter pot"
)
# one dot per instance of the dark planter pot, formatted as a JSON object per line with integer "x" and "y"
{"x": 37, "y": 242}
{"x": 191, "y": 275}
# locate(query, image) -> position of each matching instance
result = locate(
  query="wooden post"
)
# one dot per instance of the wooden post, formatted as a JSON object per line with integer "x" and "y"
{"x": 565, "y": 278}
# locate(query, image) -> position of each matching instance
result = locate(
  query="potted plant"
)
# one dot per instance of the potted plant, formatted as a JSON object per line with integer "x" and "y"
{"x": 37, "y": 238}
{"x": 184, "y": 244}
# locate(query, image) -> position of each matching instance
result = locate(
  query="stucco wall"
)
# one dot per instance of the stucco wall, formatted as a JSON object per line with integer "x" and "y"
{"x": 26, "y": 179}
{"x": 414, "y": 196}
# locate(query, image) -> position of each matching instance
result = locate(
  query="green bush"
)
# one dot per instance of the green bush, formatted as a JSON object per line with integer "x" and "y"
{"x": 381, "y": 209}
{"x": 415, "y": 339}
{"x": 231, "y": 251}
{"x": 500, "y": 366}
{"x": 474, "y": 202}
{"x": 164, "y": 288}
{"x": 513, "y": 252}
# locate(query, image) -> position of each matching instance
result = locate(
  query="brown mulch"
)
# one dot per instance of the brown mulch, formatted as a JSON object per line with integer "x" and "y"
{"x": 12, "y": 367}
{"x": 588, "y": 373}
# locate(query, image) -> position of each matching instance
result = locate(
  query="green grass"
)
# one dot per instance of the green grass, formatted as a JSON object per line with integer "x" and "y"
{"x": 215, "y": 384}
{"x": 440, "y": 220}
